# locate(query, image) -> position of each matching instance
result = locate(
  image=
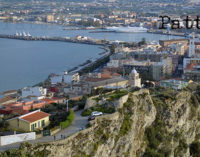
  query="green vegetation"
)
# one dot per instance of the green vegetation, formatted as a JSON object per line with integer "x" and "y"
{"x": 101, "y": 108}
{"x": 101, "y": 134}
{"x": 181, "y": 148}
{"x": 154, "y": 136}
{"x": 195, "y": 149}
{"x": 98, "y": 91}
{"x": 116, "y": 95}
{"x": 157, "y": 133}
{"x": 80, "y": 103}
{"x": 126, "y": 111}
{"x": 68, "y": 121}
{"x": 95, "y": 65}
{"x": 3, "y": 125}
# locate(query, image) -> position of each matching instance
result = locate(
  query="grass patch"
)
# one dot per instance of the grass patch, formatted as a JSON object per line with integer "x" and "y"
{"x": 68, "y": 121}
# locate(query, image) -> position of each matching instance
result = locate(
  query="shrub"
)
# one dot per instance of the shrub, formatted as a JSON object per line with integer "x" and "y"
{"x": 68, "y": 121}
{"x": 195, "y": 149}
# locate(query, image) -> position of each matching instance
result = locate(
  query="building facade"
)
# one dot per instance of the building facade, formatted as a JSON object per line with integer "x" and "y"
{"x": 32, "y": 121}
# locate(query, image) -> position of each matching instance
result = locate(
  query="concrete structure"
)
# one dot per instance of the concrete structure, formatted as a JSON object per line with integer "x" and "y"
{"x": 167, "y": 61}
{"x": 9, "y": 139}
{"x": 134, "y": 79}
{"x": 147, "y": 54}
{"x": 175, "y": 84}
{"x": 173, "y": 41}
{"x": 191, "y": 50}
{"x": 39, "y": 92}
{"x": 193, "y": 75}
{"x": 187, "y": 61}
{"x": 157, "y": 71}
{"x": 106, "y": 79}
{"x": 35, "y": 120}
{"x": 66, "y": 78}
{"x": 50, "y": 18}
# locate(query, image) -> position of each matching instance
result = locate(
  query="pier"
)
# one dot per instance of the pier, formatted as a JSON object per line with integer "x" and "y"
{"x": 62, "y": 39}
{"x": 173, "y": 33}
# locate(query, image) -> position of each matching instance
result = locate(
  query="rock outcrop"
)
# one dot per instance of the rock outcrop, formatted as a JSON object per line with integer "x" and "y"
{"x": 163, "y": 123}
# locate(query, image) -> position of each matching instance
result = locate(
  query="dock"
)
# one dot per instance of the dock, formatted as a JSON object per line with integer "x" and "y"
{"x": 165, "y": 33}
{"x": 61, "y": 39}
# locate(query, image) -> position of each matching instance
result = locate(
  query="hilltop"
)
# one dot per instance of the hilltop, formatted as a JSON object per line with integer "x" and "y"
{"x": 147, "y": 122}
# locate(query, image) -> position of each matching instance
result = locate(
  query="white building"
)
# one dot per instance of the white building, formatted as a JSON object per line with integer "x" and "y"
{"x": 66, "y": 78}
{"x": 191, "y": 51}
{"x": 114, "y": 63}
{"x": 39, "y": 92}
{"x": 134, "y": 79}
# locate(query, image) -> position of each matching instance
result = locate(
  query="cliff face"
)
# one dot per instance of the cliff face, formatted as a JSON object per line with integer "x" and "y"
{"x": 163, "y": 123}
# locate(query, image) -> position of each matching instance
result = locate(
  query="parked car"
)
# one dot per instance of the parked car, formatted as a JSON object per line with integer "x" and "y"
{"x": 96, "y": 113}
{"x": 91, "y": 118}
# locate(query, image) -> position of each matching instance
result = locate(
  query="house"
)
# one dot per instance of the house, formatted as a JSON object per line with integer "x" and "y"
{"x": 35, "y": 120}
{"x": 106, "y": 80}
{"x": 39, "y": 92}
{"x": 8, "y": 99}
{"x": 24, "y": 107}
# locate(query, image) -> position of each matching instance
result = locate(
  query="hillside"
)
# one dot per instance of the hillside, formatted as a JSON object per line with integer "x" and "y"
{"x": 155, "y": 122}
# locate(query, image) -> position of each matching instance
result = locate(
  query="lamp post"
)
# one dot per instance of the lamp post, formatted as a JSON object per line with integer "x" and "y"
{"x": 68, "y": 104}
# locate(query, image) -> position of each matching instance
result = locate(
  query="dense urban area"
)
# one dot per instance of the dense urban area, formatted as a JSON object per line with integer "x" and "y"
{"x": 138, "y": 99}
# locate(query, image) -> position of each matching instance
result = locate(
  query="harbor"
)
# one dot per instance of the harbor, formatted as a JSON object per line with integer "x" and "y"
{"x": 54, "y": 57}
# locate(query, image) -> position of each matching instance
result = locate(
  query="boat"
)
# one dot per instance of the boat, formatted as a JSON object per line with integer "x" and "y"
{"x": 16, "y": 34}
{"x": 29, "y": 35}
{"x": 128, "y": 29}
{"x": 24, "y": 34}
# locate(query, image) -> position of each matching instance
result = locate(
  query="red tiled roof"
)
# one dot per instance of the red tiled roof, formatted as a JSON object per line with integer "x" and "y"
{"x": 35, "y": 116}
{"x": 190, "y": 66}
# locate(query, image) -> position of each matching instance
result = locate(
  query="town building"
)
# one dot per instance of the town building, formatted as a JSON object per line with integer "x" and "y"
{"x": 32, "y": 121}
{"x": 134, "y": 79}
{"x": 175, "y": 84}
{"x": 158, "y": 70}
{"x": 106, "y": 79}
{"x": 50, "y": 18}
{"x": 191, "y": 50}
{"x": 192, "y": 72}
{"x": 66, "y": 78}
{"x": 165, "y": 43}
{"x": 38, "y": 92}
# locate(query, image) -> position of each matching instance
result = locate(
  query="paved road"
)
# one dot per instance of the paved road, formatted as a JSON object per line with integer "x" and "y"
{"x": 78, "y": 123}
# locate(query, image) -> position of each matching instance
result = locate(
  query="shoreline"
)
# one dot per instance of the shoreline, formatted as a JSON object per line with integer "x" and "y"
{"x": 75, "y": 69}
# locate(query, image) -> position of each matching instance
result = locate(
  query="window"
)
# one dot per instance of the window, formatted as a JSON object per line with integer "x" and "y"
{"x": 43, "y": 123}
{"x": 35, "y": 124}
{"x": 39, "y": 124}
{"x": 32, "y": 127}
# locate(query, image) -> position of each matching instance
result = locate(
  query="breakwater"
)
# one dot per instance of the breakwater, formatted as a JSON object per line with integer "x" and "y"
{"x": 62, "y": 39}
{"x": 165, "y": 33}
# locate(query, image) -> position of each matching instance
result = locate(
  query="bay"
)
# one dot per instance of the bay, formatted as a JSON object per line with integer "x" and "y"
{"x": 24, "y": 63}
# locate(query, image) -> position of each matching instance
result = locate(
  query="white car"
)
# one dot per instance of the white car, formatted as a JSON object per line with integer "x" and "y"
{"x": 95, "y": 113}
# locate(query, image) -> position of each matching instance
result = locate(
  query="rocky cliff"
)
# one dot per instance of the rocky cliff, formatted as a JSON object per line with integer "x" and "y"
{"x": 155, "y": 122}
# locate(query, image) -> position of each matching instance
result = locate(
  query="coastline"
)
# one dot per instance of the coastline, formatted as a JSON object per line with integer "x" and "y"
{"x": 75, "y": 69}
